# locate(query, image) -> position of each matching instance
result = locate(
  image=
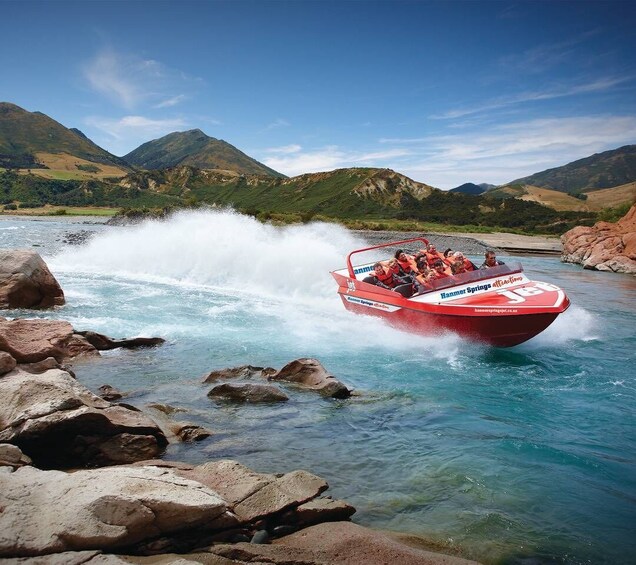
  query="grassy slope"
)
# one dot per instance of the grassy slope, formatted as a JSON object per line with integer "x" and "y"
{"x": 23, "y": 132}
{"x": 602, "y": 170}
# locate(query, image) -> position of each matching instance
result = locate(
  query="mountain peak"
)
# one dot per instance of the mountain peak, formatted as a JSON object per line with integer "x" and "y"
{"x": 195, "y": 149}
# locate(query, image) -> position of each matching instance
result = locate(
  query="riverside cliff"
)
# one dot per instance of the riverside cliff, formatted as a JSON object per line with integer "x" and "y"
{"x": 605, "y": 246}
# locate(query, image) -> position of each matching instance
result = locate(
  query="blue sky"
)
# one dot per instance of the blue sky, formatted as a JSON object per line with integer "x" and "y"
{"x": 444, "y": 92}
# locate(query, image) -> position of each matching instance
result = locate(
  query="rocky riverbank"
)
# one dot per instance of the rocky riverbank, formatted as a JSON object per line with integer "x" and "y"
{"x": 81, "y": 479}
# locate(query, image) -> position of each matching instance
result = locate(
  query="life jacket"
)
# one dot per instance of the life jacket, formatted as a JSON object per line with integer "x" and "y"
{"x": 408, "y": 265}
{"x": 387, "y": 278}
{"x": 441, "y": 275}
{"x": 432, "y": 257}
{"x": 468, "y": 264}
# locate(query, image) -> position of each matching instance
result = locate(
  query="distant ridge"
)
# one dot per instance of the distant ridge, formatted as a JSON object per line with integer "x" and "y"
{"x": 195, "y": 149}
{"x": 469, "y": 188}
{"x": 25, "y": 134}
{"x": 601, "y": 170}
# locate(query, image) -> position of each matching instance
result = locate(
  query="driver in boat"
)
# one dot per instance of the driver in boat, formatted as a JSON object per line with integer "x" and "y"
{"x": 490, "y": 260}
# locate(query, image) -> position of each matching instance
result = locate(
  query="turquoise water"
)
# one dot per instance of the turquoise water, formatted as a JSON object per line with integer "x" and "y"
{"x": 523, "y": 455}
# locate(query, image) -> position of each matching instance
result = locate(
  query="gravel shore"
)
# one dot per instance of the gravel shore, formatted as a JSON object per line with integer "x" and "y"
{"x": 474, "y": 243}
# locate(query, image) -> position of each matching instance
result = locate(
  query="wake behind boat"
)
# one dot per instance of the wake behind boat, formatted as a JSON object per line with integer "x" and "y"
{"x": 499, "y": 305}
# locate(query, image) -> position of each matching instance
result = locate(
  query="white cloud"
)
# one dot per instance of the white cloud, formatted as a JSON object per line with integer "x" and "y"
{"x": 285, "y": 150}
{"x": 129, "y": 81}
{"x": 599, "y": 85}
{"x": 278, "y": 123}
{"x": 171, "y": 101}
{"x": 291, "y": 160}
{"x": 518, "y": 149}
{"x": 125, "y": 134}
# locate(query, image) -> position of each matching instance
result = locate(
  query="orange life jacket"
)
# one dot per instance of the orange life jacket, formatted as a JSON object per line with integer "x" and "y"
{"x": 387, "y": 278}
{"x": 408, "y": 265}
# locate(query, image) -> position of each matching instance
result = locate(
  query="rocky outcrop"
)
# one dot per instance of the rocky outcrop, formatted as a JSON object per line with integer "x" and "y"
{"x": 26, "y": 282}
{"x": 149, "y": 508}
{"x": 103, "y": 343}
{"x": 341, "y": 543}
{"x": 242, "y": 372}
{"x": 303, "y": 373}
{"x": 310, "y": 374}
{"x": 31, "y": 341}
{"x": 59, "y": 423}
{"x": 604, "y": 246}
{"x": 247, "y": 392}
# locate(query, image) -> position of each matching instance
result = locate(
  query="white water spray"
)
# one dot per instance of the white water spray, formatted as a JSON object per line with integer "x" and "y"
{"x": 274, "y": 271}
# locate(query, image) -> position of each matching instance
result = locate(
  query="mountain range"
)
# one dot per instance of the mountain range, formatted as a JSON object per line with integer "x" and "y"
{"x": 46, "y": 162}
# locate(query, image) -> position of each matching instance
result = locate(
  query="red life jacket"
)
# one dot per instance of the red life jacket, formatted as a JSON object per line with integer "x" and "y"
{"x": 468, "y": 264}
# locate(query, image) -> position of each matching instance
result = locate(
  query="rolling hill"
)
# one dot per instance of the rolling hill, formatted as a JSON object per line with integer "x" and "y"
{"x": 32, "y": 140}
{"x": 195, "y": 149}
{"x": 601, "y": 170}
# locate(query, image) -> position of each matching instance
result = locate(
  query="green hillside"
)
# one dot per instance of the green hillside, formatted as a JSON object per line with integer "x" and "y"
{"x": 194, "y": 148}
{"x": 348, "y": 194}
{"x": 23, "y": 134}
{"x": 601, "y": 170}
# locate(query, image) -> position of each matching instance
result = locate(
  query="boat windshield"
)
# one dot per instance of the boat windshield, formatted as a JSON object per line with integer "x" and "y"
{"x": 473, "y": 276}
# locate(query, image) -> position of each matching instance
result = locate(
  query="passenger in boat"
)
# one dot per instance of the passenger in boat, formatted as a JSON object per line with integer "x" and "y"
{"x": 468, "y": 264}
{"x": 406, "y": 262}
{"x": 458, "y": 267}
{"x": 490, "y": 260}
{"x": 432, "y": 255}
{"x": 387, "y": 279}
{"x": 423, "y": 275}
{"x": 439, "y": 270}
{"x": 381, "y": 277}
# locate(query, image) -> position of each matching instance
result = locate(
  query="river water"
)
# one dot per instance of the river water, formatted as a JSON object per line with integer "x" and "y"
{"x": 523, "y": 455}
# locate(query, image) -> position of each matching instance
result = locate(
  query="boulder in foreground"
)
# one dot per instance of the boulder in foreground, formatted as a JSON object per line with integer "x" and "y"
{"x": 60, "y": 424}
{"x": 51, "y": 511}
{"x": 26, "y": 282}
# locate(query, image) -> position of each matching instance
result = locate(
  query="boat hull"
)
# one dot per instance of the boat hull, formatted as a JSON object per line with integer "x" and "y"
{"x": 500, "y": 331}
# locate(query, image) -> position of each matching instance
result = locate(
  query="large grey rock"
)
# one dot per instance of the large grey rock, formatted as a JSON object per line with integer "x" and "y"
{"x": 51, "y": 511}
{"x": 26, "y": 282}
{"x": 248, "y": 392}
{"x": 310, "y": 374}
{"x": 59, "y": 423}
{"x": 31, "y": 341}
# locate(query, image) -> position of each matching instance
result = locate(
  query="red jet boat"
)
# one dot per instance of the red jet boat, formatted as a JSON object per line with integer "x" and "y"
{"x": 499, "y": 306}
